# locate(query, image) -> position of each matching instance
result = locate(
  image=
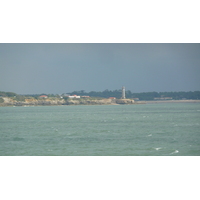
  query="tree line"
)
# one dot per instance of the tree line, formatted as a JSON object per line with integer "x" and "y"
{"x": 117, "y": 94}
{"x": 7, "y": 94}
{"x": 142, "y": 96}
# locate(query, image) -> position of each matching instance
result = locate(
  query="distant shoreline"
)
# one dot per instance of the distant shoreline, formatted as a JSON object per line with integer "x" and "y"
{"x": 19, "y": 104}
{"x": 174, "y": 101}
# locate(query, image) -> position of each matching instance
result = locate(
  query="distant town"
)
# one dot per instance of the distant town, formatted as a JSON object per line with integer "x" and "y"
{"x": 96, "y": 98}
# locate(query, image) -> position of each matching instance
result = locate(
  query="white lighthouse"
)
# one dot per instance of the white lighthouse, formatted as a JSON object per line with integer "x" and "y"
{"x": 123, "y": 93}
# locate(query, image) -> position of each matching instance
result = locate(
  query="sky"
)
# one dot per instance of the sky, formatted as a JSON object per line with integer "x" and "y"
{"x": 56, "y": 68}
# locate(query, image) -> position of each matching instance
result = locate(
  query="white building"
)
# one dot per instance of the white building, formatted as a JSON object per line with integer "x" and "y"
{"x": 74, "y": 97}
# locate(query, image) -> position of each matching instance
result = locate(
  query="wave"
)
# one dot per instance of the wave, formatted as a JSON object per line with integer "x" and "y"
{"x": 176, "y": 151}
{"x": 158, "y": 148}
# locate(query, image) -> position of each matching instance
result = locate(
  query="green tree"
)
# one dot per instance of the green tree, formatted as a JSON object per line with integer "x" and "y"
{"x": 19, "y": 98}
{"x": 1, "y": 100}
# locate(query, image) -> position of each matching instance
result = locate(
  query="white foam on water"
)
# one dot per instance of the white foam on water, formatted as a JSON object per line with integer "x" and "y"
{"x": 149, "y": 135}
{"x": 158, "y": 148}
{"x": 176, "y": 151}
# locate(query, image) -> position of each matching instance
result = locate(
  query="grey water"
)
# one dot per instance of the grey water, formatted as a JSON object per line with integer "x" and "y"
{"x": 166, "y": 129}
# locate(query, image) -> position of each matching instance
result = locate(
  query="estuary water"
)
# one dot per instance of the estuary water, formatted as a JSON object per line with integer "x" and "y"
{"x": 166, "y": 129}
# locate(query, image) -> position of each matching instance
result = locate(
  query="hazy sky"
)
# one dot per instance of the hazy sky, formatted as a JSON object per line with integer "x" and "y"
{"x": 61, "y": 68}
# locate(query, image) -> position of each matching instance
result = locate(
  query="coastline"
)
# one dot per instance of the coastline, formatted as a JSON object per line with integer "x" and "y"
{"x": 8, "y": 102}
{"x": 89, "y": 102}
{"x": 174, "y": 101}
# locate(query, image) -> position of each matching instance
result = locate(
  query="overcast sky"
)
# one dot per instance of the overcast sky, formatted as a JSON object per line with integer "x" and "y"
{"x": 61, "y": 68}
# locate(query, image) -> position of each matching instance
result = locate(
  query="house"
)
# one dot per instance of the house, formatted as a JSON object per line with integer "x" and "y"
{"x": 112, "y": 98}
{"x": 136, "y": 99}
{"x": 74, "y": 97}
{"x": 85, "y": 96}
{"x": 43, "y": 96}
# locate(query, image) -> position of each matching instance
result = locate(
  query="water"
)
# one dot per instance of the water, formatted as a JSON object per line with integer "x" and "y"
{"x": 170, "y": 129}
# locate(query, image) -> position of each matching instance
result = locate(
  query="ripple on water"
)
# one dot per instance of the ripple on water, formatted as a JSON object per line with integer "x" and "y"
{"x": 174, "y": 152}
{"x": 158, "y": 148}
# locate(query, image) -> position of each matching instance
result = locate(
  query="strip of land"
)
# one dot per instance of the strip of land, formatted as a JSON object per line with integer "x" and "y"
{"x": 175, "y": 101}
{"x": 53, "y": 101}
{"x": 60, "y": 101}
{"x": 97, "y": 98}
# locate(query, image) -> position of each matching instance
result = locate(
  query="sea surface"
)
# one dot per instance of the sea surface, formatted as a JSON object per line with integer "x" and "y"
{"x": 165, "y": 129}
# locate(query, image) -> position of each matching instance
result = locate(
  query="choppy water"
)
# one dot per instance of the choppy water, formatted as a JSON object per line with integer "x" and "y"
{"x": 171, "y": 129}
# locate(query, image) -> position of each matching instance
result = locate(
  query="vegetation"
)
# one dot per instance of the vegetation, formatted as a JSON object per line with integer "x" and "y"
{"x": 66, "y": 98}
{"x": 142, "y": 96}
{"x": 104, "y": 94}
{"x": 19, "y": 98}
{"x": 108, "y": 93}
{"x": 7, "y": 94}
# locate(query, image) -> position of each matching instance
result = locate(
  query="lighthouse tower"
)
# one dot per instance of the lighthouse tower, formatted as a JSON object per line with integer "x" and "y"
{"x": 123, "y": 93}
